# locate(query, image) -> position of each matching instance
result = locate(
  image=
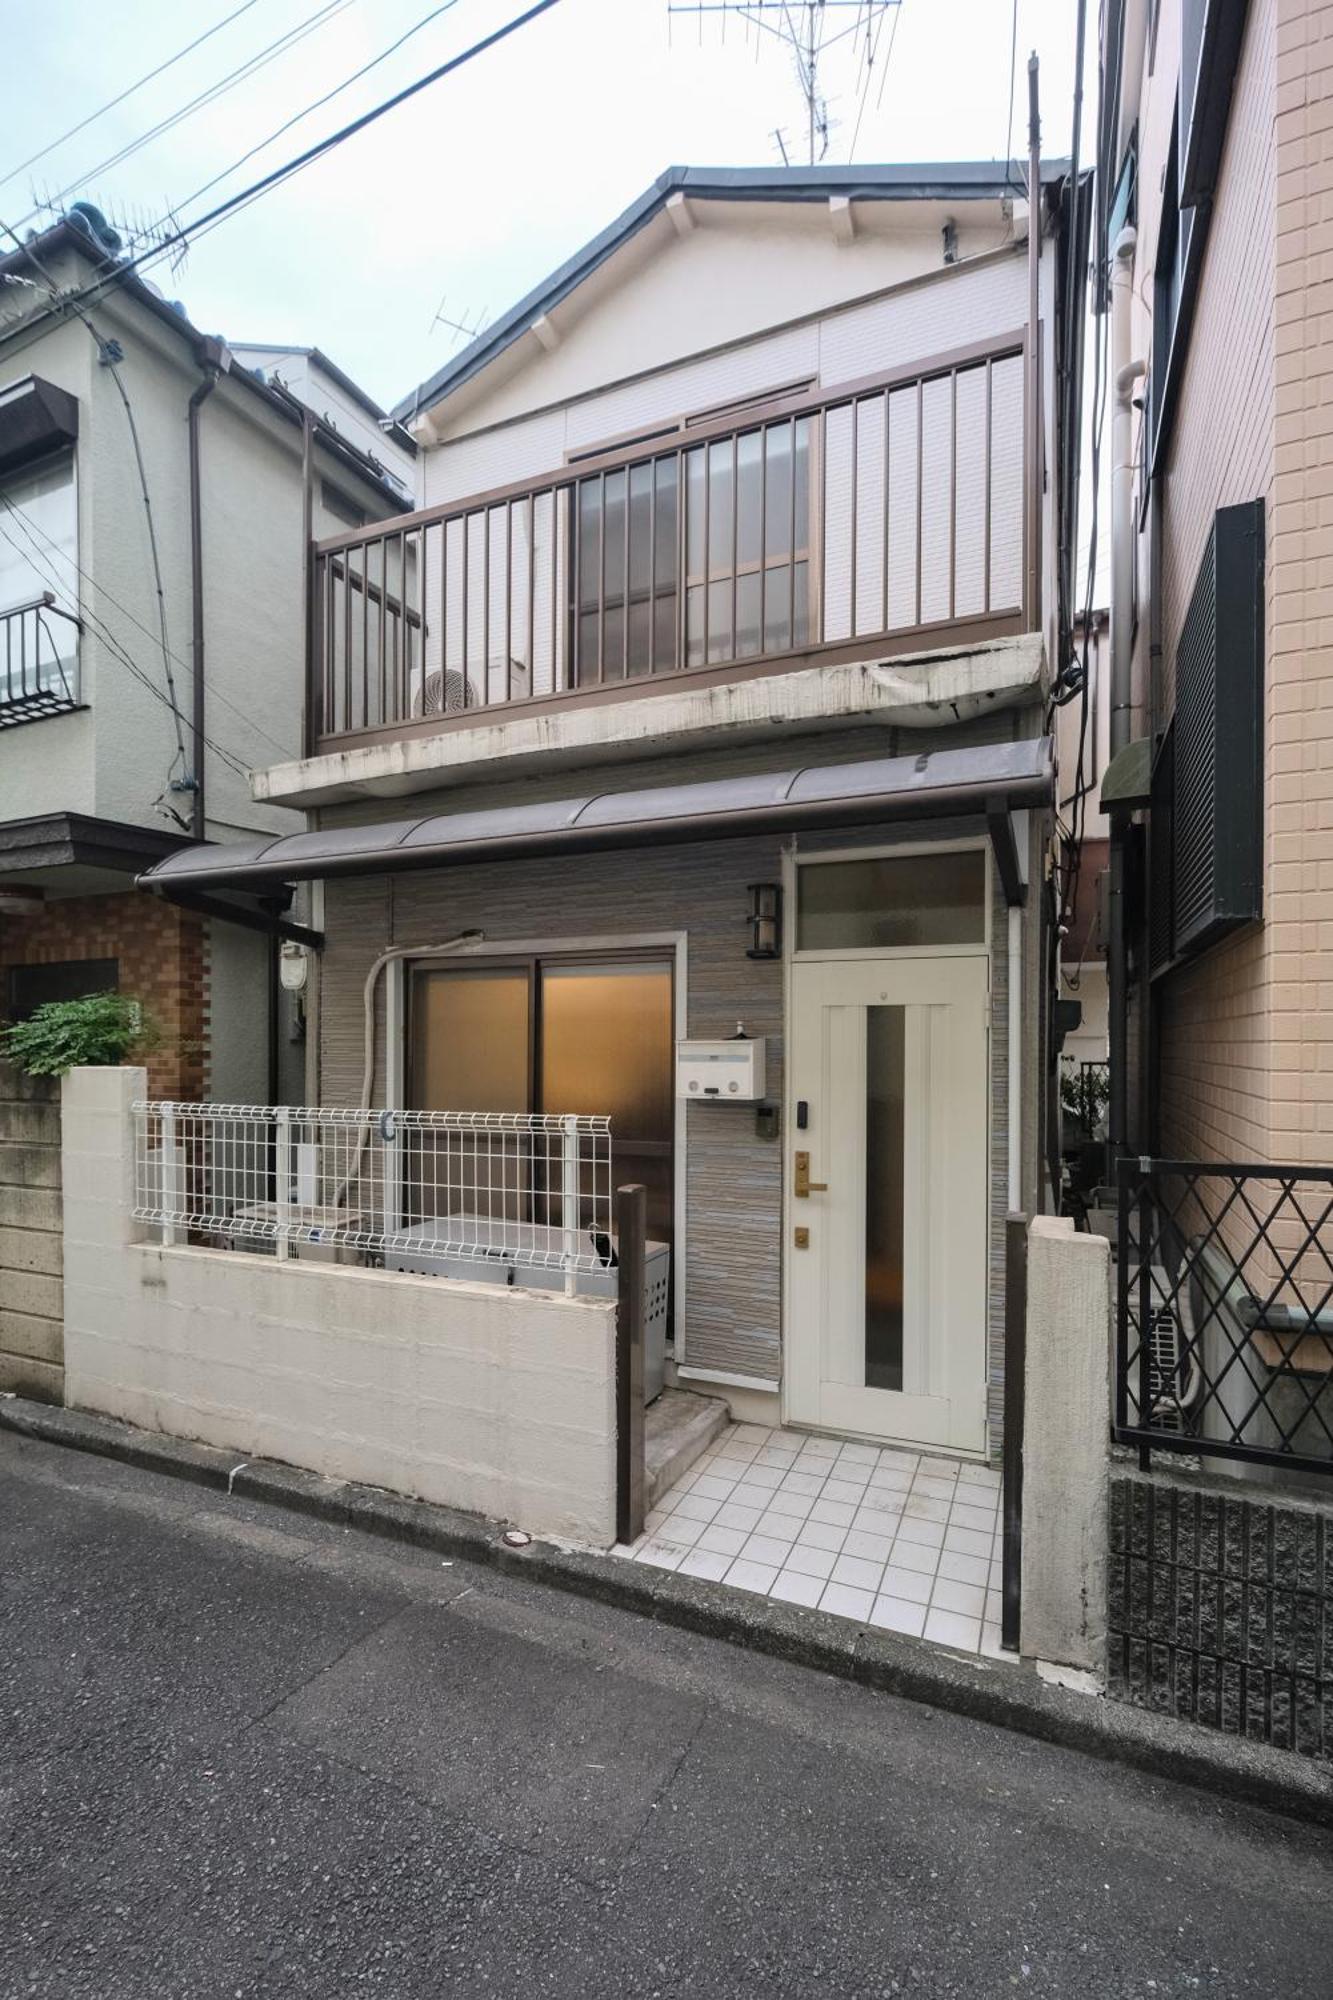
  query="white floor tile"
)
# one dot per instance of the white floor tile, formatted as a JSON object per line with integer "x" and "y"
{"x": 709, "y": 1487}
{"x": 932, "y": 1489}
{"x": 977, "y": 1518}
{"x": 732, "y": 1452}
{"x": 966, "y": 1542}
{"x": 964, "y": 1569}
{"x": 837, "y": 1513}
{"x": 978, "y": 1475}
{"x": 926, "y": 1534}
{"x": 780, "y": 1456}
{"x": 691, "y": 1507}
{"x": 939, "y": 1468}
{"x": 949, "y": 1628}
{"x": 751, "y": 1434}
{"x": 766, "y": 1549}
{"x": 891, "y": 1478}
{"x": 821, "y": 1535}
{"x": 967, "y": 1598}
{"x": 846, "y": 1602}
{"x": 817, "y": 1447}
{"x": 869, "y": 1543}
{"x": 722, "y": 1541}
{"x": 907, "y": 1583}
{"x": 737, "y": 1514}
{"x": 840, "y": 1488}
{"x": 747, "y": 1575}
{"x": 857, "y": 1570}
{"x": 891, "y": 1455}
{"x": 990, "y": 1643}
{"x": 797, "y": 1505}
{"x": 896, "y": 1614}
{"x": 781, "y": 1527}
{"x": 662, "y": 1555}
{"x": 806, "y": 1484}
{"x": 793, "y": 1587}
{"x": 910, "y": 1555}
{"x": 922, "y": 1507}
{"x": 812, "y": 1562}
{"x": 859, "y": 1454}
{"x": 706, "y": 1563}
{"x": 762, "y": 1478}
{"x": 878, "y": 1520}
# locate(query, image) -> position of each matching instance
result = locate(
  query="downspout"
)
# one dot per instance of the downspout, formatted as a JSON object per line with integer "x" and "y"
{"x": 1126, "y": 373}
{"x": 212, "y": 359}
{"x": 1036, "y": 483}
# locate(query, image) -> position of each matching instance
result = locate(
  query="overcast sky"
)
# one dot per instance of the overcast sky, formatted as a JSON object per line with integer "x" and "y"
{"x": 467, "y": 196}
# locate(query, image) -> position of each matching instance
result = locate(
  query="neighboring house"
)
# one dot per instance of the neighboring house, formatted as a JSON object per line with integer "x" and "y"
{"x": 343, "y": 407}
{"x": 708, "y": 683}
{"x": 152, "y": 528}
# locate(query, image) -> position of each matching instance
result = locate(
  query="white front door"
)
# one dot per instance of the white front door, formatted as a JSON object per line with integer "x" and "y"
{"x": 886, "y": 1255}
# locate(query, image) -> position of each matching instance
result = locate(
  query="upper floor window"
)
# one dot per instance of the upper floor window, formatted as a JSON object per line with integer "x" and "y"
{"x": 39, "y": 634}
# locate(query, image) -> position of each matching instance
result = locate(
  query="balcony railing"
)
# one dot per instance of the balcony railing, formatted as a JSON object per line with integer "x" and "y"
{"x": 39, "y": 661}
{"x": 891, "y": 512}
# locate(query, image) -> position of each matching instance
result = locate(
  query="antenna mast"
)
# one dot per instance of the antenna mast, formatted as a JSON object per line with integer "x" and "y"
{"x": 809, "y": 30}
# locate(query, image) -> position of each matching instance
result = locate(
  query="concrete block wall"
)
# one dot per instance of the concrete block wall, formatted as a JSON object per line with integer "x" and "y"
{"x": 498, "y": 1401}
{"x": 31, "y": 1300}
{"x": 1221, "y": 1606}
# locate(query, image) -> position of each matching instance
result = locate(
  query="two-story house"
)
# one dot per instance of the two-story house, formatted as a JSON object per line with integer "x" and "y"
{"x": 683, "y": 757}
{"x": 156, "y": 497}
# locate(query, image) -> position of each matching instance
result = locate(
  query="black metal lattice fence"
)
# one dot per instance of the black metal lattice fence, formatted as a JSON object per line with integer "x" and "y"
{"x": 1224, "y": 1311}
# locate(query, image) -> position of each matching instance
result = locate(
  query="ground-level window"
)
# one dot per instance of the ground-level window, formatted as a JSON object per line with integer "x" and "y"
{"x": 31, "y": 986}
{"x": 556, "y": 1035}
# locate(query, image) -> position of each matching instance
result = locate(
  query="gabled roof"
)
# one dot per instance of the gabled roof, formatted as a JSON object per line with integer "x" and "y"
{"x": 944, "y": 180}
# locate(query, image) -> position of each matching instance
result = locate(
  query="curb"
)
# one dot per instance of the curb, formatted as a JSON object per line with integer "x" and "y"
{"x": 1010, "y": 1696}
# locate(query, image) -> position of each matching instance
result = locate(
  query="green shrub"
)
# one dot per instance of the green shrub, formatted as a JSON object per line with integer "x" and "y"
{"x": 61, "y": 1035}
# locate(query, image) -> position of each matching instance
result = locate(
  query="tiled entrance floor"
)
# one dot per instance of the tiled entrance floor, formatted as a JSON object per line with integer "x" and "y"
{"x": 888, "y": 1537}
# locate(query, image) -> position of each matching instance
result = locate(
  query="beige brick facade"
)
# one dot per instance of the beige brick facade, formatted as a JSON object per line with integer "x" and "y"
{"x": 1246, "y": 1047}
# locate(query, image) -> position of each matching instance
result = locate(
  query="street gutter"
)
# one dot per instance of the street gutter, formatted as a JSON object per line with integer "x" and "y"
{"x": 1009, "y": 1695}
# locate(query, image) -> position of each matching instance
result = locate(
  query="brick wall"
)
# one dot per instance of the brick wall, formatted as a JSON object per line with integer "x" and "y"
{"x": 1220, "y": 1607}
{"x": 31, "y": 1291}
{"x": 163, "y": 963}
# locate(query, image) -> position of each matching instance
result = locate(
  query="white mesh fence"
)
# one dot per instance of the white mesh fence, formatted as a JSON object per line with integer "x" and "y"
{"x": 453, "y": 1193}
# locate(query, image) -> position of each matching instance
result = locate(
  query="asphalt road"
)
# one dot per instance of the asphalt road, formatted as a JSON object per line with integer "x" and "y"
{"x": 246, "y": 1754}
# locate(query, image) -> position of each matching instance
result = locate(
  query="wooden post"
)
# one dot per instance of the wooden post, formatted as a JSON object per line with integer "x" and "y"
{"x": 631, "y": 1233}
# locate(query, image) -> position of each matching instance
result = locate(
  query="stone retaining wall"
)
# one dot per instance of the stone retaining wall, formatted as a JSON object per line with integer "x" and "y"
{"x": 31, "y": 1262}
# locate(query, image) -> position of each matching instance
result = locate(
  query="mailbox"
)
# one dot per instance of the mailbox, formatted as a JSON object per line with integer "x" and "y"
{"x": 729, "y": 1072}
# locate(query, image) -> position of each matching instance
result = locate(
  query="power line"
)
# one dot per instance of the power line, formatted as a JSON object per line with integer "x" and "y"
{"x": 319, "y": 102}
{"x": 111, "y": 103}
{"x": 190, "y": 231}
{"x": 52, "y": 548}
{"x": 240, "y": 74}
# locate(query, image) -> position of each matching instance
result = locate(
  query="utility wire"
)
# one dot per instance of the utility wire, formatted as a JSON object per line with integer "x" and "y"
{"x": 108, "y": 353}
{"x": 101, "y": 630}
{"x": 319, "y": 102}
{"x": 214, "y": 91}
{"x": 52, "y": 549}
{"x": 129, "y": 91}
{"x": 99, "y": 287}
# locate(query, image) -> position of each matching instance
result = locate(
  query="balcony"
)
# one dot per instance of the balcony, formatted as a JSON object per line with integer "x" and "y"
{"x": 892, "y": 517}
{"x": 39, "y": 661}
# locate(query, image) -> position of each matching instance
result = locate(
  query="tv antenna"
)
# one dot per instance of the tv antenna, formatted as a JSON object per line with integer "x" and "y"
{"x": 809, "y": 30}
{"x": 463, "y": 329}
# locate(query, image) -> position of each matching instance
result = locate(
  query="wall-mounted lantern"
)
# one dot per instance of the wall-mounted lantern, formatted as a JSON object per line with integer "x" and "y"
{"x": 765, "y": 920}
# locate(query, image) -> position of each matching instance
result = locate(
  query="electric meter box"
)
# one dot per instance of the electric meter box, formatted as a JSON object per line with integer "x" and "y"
{"x": 721, "y": 1072}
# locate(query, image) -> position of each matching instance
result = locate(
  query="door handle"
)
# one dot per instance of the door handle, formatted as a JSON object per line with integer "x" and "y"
{"x": 802, "y": 1184}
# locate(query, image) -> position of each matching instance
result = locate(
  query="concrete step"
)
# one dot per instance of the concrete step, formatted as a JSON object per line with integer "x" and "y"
{"x": 677, "y": 1429}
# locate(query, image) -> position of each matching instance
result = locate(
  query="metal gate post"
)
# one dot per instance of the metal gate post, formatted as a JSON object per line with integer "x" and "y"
{"x": 631, "y": 1234}
{"x": 1015, "y": 1390}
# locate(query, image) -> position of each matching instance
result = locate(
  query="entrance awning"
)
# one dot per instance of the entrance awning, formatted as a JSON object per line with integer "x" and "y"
{"x": 989, "y": 780}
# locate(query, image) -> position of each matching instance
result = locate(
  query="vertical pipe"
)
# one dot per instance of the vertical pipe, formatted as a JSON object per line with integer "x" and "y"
{"x": 631, "y": 1230}
{"x": 1015, "y": 1040}
{"x": 200, "y": 394}
{"x": 1015, "y": 1392}
{"x": 313, "y": 663}
{"x": 1034, "y": 423}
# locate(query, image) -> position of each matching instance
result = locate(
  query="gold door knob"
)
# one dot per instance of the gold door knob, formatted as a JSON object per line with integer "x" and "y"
{"x": 802, "y": 1184}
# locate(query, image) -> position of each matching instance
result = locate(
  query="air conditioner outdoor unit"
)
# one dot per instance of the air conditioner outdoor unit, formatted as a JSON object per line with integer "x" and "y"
{"x": 492, "y": 1258}
{"x": 442, "y": 692}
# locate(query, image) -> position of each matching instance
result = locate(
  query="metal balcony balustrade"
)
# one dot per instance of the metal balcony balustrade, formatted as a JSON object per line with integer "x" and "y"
{"x": 39, "y": 661}
{"x": 896, "y": 512}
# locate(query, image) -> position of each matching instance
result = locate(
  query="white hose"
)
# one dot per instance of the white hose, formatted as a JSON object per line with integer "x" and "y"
{"x": 450, "y": 945}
